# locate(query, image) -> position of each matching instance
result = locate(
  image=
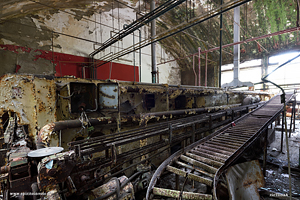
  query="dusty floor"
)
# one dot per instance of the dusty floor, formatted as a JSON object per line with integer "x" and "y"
{"x": 277, "y": 178}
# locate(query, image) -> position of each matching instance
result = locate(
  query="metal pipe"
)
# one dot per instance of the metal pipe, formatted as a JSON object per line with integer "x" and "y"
{"x": 220, "y": 59}
{"x": 199, "y": 66}
{"x": 241, "y": 42}
{"x": 205, "y": 69}
{"x": 133, "y": 59}
{"x": 110, "y": 69}
{"x": 140, "y": 55}
{"x": 153, "y": 52}
{"x": 168, "y": 5}
{"x": 285, "y": 122}
{"x": 282, "y": 128}
{"x": 179, "y": 28}
{"x": 44, "y": 135}
{"x": 194, "y": 70}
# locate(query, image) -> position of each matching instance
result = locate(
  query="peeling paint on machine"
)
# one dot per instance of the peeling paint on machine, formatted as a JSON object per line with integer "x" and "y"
{"x": 107, "y": 126}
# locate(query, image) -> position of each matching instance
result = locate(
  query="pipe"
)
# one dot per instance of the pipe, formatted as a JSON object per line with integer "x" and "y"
{"x": 194, "y": 70}
{"x": 157, "y": 77}
{"x": 133, "y": 58}
{"x": 153, "y": 14}
{"x": 110, "y": 69}
{"x": 285, "y": 122}
{"x": 220, "y": 60}
{"x": 241, "y": 42}
{"x": 175, "y": 30}
{"x": 199, "y": 66}
{"x": 205, "y": 69}
{"x": 140, "y": 55}
{"x": 153, "y": 52}
{"x": 120, "y": 186}
{"x": 44, "y": 135}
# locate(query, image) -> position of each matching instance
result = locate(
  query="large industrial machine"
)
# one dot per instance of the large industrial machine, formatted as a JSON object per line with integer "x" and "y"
{"x": 70, "y": 138}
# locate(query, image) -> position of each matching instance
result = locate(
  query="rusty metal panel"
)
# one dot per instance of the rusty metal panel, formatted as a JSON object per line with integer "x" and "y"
{"x": 244, "y": 180}
{"x": 83, "y": 97}
{"x": 45, "y": 95}
{"x": 108, "y": 95}
{"x": 17, "y": 95}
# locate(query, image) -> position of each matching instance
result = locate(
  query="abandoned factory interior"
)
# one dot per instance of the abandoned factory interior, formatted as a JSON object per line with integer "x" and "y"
{"x": 149, "y": 99}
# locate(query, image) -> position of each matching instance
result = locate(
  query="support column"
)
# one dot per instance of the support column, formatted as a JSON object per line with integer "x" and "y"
{"x": 236, "y": 48}
{"x": 220, "y": 60}
{"x": 264, "y": 69}
{"x": 153, "y": 52}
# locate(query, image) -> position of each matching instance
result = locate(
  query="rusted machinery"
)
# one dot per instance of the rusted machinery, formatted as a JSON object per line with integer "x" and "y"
{"x": 206, "y": 160}
{"x": 108, "y": 129}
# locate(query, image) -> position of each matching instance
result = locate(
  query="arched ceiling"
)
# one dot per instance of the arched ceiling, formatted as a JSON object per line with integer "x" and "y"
{"x": 257, "y": 18}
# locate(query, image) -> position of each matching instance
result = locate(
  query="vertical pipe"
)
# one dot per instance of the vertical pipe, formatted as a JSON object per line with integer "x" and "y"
{"x": 60, "y": 138}
{"x": 199, "y": 66}
{"x": 194, "y": 70}
{"x": 83, "y": 72}
{"x": 282, "y": 127}
{"x": 140, "y": 55}
{"x": 157, "y": 76}
{"x": 220, "y": 60}
{"x": 153, "y": 33}
{"x": 206, "y": 69}
{"x": 265, "y": 152}
{"x": 287, "y": 148}
{"x": 53, "y": 65}
{"x": 295, "y": 102}
{"x": 291, "y": 123}
{"x": 133, "y": 57}
{"x": 110, "y": 69}
{"x": 167, "y": 92}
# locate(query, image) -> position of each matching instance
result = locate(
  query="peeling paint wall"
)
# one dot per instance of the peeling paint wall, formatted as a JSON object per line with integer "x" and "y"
{"x": 40, "y": 30}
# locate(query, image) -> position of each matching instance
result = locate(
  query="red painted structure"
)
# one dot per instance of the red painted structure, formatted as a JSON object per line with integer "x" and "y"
{"x": 67, "y": 64}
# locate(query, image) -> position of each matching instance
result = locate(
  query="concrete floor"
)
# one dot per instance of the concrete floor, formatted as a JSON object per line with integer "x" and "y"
{"x": 277, "y": 177}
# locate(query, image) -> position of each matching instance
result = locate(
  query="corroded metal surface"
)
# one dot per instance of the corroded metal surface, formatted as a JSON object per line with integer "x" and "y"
{"x": 43, "y": 111}
{"x": 244, "y": 180}
{"x": 125, "y": 193}
{"x": 210, "y": 156}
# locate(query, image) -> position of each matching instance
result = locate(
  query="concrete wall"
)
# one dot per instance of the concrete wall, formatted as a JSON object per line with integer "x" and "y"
{"x": 34, "y": 31}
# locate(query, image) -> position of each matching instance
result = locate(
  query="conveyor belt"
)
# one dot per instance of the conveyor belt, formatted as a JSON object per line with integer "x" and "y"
{"x": 205, "y": 160}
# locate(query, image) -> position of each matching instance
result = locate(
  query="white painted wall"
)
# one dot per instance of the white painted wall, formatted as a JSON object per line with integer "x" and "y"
{"x": 65, "y": 23}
